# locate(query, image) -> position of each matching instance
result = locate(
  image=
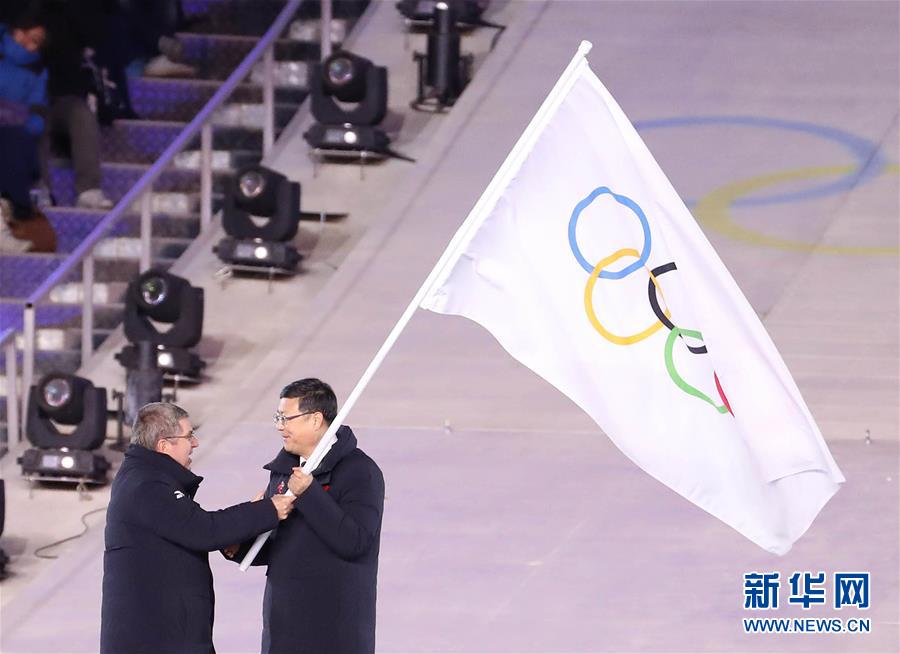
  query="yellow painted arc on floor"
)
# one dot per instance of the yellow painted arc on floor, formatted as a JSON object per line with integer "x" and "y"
{"x": 713, "y": 211}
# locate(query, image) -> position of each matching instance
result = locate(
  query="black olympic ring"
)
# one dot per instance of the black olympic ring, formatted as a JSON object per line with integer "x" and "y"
{"x": 654, "y": 302}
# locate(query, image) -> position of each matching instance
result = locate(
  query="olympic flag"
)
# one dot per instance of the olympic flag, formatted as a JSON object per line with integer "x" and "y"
{"x": 583, "y": 262}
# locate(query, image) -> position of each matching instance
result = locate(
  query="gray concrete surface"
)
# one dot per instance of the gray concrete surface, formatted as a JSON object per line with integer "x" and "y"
{"x": 511, "y": 522}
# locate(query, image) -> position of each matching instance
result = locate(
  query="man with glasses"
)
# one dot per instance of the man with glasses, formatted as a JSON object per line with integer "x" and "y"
{"x": 323, "y": 560}
{"x": 157, "y": 584}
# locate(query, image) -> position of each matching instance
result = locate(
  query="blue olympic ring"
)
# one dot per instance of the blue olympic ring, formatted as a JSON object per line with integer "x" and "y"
{"x": 621, "y": 199}
{"x": 867, "y": 154}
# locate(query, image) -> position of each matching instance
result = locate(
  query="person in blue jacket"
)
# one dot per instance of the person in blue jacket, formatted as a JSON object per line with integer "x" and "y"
{"x": 23, "y": 77}
{"x": 23, "y": 101}
{"x": 157, "y": 585}
{"x": 323, "y": 559}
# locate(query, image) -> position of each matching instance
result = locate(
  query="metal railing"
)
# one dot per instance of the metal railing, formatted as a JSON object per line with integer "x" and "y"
{"x": 8, "y": 347}
{"x": 83, "y": 255}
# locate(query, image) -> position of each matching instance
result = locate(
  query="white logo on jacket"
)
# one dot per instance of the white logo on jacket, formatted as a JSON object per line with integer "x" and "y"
{"x": 178, "y": 495}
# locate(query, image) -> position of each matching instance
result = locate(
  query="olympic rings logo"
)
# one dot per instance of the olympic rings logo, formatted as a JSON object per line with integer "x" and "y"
{"x": 654, "y": 292}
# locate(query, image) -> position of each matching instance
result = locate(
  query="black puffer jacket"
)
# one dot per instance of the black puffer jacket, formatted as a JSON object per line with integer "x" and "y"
{"x": 323, "y": 559}
{"x": 157, "y": 585}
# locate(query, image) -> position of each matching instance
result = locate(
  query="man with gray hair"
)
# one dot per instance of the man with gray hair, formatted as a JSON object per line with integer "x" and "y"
{"x": 157, "y": 584}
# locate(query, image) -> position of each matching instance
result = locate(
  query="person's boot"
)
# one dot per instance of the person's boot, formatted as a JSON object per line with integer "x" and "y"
{"x": 162, "y": 66}
{"x": 9, "y": 242}
{"x": 93, "y": 198}
{"x": 168, "y": 63}
{"x": 36, "y": 231}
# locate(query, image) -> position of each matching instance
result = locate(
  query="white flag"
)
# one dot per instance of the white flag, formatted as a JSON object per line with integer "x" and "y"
{"x": 587, "y": 267}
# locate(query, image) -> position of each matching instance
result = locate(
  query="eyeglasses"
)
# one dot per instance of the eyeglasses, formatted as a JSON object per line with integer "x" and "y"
{"x": 279, "y": 418}
{"x": 190, "y": 436}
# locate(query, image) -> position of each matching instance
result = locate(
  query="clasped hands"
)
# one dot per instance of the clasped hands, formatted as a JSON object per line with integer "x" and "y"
{"x": 284, "y": 504}
{"x": 298, "y": 483}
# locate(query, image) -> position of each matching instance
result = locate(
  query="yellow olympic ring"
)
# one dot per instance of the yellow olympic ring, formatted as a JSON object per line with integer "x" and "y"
{"x": 713, "y": 211}
{"x": 589, "y": 301}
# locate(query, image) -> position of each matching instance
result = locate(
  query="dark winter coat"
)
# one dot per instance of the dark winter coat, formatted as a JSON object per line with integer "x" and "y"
{"x": 323, "y": 559}
{"x": 157, "y": 586}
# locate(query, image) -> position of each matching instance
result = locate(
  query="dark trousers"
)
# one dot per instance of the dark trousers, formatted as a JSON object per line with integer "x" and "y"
{"x": 71, "y": 117}
{"x": 18, "y": 168}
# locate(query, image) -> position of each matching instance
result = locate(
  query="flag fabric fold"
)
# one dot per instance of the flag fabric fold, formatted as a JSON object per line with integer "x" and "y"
{"x": 587, "y": 267}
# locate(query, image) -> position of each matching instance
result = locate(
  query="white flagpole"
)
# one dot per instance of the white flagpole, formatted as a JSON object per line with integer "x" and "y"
{"x": 476, "y": 216}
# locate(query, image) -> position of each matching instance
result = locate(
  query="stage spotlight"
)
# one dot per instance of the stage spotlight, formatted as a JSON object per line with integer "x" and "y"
{"x": 260, "y": 214}
{"x": 64, "y": 399}
{"x": 265, "y": 193}
{"x": 443, "y": 72}
{"x": 161, "y": 297}
{"x": 347, "y": 79}
{"x": 467, "y": 12}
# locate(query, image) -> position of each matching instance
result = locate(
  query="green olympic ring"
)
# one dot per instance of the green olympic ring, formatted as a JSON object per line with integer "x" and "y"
{"x": 683, "y": 385}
